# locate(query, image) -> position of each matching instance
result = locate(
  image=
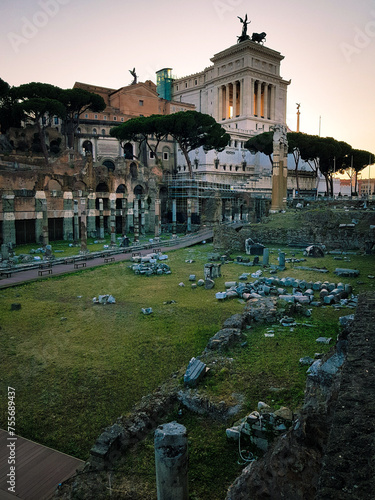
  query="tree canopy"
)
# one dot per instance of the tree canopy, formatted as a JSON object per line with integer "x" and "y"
{"x": 190, "y": 129}
{"x": 261, "y": 143}
{"x": 76, "y": 102}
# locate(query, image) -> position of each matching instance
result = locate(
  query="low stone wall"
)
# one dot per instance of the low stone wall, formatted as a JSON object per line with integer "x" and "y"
{"x": 311, "y": 227}
{"x": 329, "y": 452}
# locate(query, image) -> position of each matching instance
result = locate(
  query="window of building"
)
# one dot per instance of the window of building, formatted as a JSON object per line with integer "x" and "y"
{"x": 122, "y": 119}
{"x": 103, "y": 131}
{"x": 104, "y": 117}
{"x": 176, "y": 87}
{"x": 56, "y": 120}
{"x": 235, "y": 144}
{"x": 94, "y": 131}
{"x": 140, "y": 102}
{"x": 96, "y": 117}
{"x": 86, "y": 115}
{"x": 196, "y": 82}
{"x": 115, "y": 118}
{"x": 151, "y": 155}
{"x": 186, "y": 85}
{"x": 165, "y": 155}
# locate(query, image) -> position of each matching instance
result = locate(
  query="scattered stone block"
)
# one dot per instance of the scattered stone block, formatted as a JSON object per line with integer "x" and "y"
{"x": 324, "y": 340}
{"x": 194, "y": 373}
{"x": 350, "y": 273}
{"x": 221, "y": 295}
{"x": 209, "y": 284}
{"x": 147, "y": 310}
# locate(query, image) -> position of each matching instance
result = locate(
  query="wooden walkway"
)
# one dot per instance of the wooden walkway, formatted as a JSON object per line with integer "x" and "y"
{"x": 39, "y": 469}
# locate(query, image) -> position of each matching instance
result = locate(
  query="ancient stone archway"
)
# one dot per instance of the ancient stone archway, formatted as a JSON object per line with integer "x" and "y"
{"x": 109, "y": 164}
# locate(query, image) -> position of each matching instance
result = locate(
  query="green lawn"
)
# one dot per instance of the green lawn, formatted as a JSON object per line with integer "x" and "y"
{"x": 77, "y": 366}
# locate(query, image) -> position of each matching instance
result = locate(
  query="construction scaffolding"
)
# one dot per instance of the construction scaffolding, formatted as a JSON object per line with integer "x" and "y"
{"x": 193, "y": 197}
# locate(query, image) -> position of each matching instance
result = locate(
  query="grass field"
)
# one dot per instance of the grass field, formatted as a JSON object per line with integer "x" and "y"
{"x": 77, "y": 366}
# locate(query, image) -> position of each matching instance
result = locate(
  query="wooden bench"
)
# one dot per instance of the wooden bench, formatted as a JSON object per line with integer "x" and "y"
{"x": 45, "y": 265}
{"x": 77, "y": 265}
{"x": 47, "y": 270}
{"x": 109, "y": 259}
{"x": 69, "y": 260}
{"x": 6, "y": 274}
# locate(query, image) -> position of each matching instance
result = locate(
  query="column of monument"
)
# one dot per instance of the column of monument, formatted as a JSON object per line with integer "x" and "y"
{"x": 259, "y": 99}
{"x": 265, "y": 101}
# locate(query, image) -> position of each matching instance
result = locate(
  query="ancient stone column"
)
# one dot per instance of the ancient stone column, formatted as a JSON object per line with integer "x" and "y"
{"x": 76, "y": 222}
{"x": 101, "y": 219}
{"x": 157, "y": 218}
{"x": 174, "y": 217}
{"x": 91, "y": 215}
{"x": 40, "y": 197}
{"x": 228, "y": 211}
{"x": 281, "y": 260}
{"x": 124, "y": 228}
{"x": 188, "y": 215}
{"x": 68, "y": 215}
{"x": 266, "y": 255}
{"x": 171, "y": 461}
{"x": 136, "y": 219}
{"x": 142, "y": 229}
{"x": 9, "y": 220}
{"x": 45, "y": 223}
{"x": 83, "y": 226}
{"x": 113, "y": 222}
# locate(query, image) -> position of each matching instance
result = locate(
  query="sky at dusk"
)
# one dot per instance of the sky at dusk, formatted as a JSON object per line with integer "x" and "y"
{"x": 328, "y": 45}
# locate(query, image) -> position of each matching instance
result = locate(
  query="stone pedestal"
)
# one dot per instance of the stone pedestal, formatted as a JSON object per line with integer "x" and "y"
{"x": 171, "y": 460}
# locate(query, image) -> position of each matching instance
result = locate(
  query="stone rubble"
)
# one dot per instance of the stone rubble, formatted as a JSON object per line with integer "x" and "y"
{"x": 261, "y": 427}
{"x": 104, "y": 299}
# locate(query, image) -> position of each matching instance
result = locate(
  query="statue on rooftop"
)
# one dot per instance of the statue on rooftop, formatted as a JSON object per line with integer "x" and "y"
{"x": 134, "y": 75}
{"x": 244, "y": 36}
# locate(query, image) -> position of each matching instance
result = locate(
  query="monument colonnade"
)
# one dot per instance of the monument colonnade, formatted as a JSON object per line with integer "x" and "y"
{"x": 238, "y": 96}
